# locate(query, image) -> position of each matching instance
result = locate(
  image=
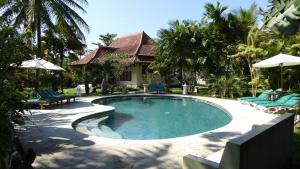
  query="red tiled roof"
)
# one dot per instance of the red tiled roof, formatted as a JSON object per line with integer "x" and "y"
{"x": 134, "y": 45}
{"x": 147, "y": 50}
{"x": 145, "y": 59}
{"x": 88, "y": 58}
{"x": 128, "y": 44}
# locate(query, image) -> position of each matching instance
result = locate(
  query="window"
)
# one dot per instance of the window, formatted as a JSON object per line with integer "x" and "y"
{"x": 126, "y": 76}
{"x": 144, "y": 69}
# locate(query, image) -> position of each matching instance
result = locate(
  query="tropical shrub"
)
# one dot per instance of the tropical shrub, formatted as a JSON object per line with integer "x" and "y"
{"x": 13, "y": 50}
{"x": 226, "y": 86}
{"x": 179, "y": 49}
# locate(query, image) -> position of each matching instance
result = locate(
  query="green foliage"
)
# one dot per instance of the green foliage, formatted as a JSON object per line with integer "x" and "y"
{"x": 221, "y": 35}
{"x": 106, "y": 39}
{"x": 250, "y": 52}
{"x": 245, "y": 20}
{"x": 215, "y": 13}
{"x": 13, "y": 49}
{"x": 113, "y": 65}
{"x": 296, "y": 143}
{"x": 35, "y": 13}
{"x": 292, "y": 44}
{"x": 226, "y": 86}
{"x": 283, "y": 16}
{"x": 179, "y": 48}
{"x": 110, "y": 68}
{"x": 62, "y": 50}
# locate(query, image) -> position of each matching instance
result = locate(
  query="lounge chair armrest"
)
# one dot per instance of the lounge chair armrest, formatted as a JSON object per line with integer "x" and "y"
{"x": 194, "y": 162}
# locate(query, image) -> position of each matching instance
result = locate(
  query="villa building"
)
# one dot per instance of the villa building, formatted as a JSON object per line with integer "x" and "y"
{"x": 139, "y": 46}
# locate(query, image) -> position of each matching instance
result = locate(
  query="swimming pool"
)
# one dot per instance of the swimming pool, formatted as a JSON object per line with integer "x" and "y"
{"x": 153, "y": 117}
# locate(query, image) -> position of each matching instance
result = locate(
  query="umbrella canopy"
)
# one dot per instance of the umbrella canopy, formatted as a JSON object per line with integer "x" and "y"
{"x": 40, "y": 64}
{"x": 279, "y": 60}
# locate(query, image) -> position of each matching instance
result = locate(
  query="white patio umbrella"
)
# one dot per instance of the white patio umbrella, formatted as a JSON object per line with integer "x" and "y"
{"x": 40, "y": 64}
{"x": 279, "y": 60}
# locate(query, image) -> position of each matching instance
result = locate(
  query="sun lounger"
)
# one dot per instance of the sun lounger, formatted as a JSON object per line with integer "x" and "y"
{"x": 156, "y": 87}
{"x": 288, "y": 101}
{"x": 45, "y": 95}
{"x": 38, "y": 101}
{"x": 52, "y": 93}
{"x": 280, "y": 101}
{"x": 264, "y": 96}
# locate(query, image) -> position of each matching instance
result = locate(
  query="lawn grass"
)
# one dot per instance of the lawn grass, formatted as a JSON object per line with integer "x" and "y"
{"x": 70, "y": 91}
{"x": 176, "y": 90}
{"x": 296, "y": 141}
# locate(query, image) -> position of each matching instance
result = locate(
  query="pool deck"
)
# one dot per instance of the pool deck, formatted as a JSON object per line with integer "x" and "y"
{"x": 50, "y": 133}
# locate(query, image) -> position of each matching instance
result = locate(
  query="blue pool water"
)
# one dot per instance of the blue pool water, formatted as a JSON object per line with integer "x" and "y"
{"x": 146, "y": 118}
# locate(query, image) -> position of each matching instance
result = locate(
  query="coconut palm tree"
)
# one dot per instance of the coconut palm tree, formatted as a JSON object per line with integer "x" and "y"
{"x": 246, "y": 19}
{"x": 216, "y": 14}
{"x": 41, "y": 14}
{"x": 59, "y": 46}
{"x": 36, "y": 15}
{"x": 106, "y": 39}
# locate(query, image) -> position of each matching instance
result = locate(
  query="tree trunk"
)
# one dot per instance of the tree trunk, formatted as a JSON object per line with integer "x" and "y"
{"x": 86, "y": 82}
{"x": 61, "y": 72}
{"x": 251, "y": 75}
{"x": 181, "y": 71}
{"x": 39, "y": 42}
{"x": 87, "y": 88}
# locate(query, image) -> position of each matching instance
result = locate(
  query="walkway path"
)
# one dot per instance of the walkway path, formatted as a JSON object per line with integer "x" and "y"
{"x": 58, "y": 146}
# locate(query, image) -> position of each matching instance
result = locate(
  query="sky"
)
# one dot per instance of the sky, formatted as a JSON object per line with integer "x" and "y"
{"x": 125, "y": 17}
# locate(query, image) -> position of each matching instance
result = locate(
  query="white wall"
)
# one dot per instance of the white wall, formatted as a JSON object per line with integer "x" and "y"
{"x": 136, "y": 77}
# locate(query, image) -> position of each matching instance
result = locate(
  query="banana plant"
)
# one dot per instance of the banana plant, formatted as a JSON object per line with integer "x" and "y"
{"x": 283, "y": 16}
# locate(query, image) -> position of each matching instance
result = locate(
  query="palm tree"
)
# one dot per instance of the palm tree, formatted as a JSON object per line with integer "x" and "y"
{"x": 246, "y": 19}
{"x": 178, "y": 45}
{"x": 215, "y": 13}
{"x": 60, "y": 46}
{"x": 251, "y": 50}
{"x": 106, "y": 39}
{"x": 36, "y": 15}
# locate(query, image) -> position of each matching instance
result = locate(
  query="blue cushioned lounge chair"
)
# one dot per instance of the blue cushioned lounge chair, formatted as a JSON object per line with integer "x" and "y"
{"x": 262, "y": 97}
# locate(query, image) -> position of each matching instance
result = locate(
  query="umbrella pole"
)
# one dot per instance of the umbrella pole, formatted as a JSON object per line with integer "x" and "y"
{"x": 281, "y": 72}
{"x": 27, "y": 82}
{"x": 37, "y": 80}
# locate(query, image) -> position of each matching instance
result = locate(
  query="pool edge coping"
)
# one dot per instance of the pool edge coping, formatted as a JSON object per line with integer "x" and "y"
{"x": 154, "y": 140}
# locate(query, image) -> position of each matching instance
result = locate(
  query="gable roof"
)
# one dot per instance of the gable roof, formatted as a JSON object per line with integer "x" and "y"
{"x": 96, "y": 53}
{"x": 135, "y": 45}
{"x": 147, "y": 50}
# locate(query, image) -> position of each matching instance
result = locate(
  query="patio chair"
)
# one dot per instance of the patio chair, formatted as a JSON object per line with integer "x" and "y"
{"x": 288, "y": 101}
{"x": 161, "y": 87}
{"x": 45, "y": 95}
{"x": 52, "y": 93}
{"x": 156, "y": 87}
{"x": 262, "y": 97}
{"x": 291, "y": 104}
{"x": 37, "y": 101}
